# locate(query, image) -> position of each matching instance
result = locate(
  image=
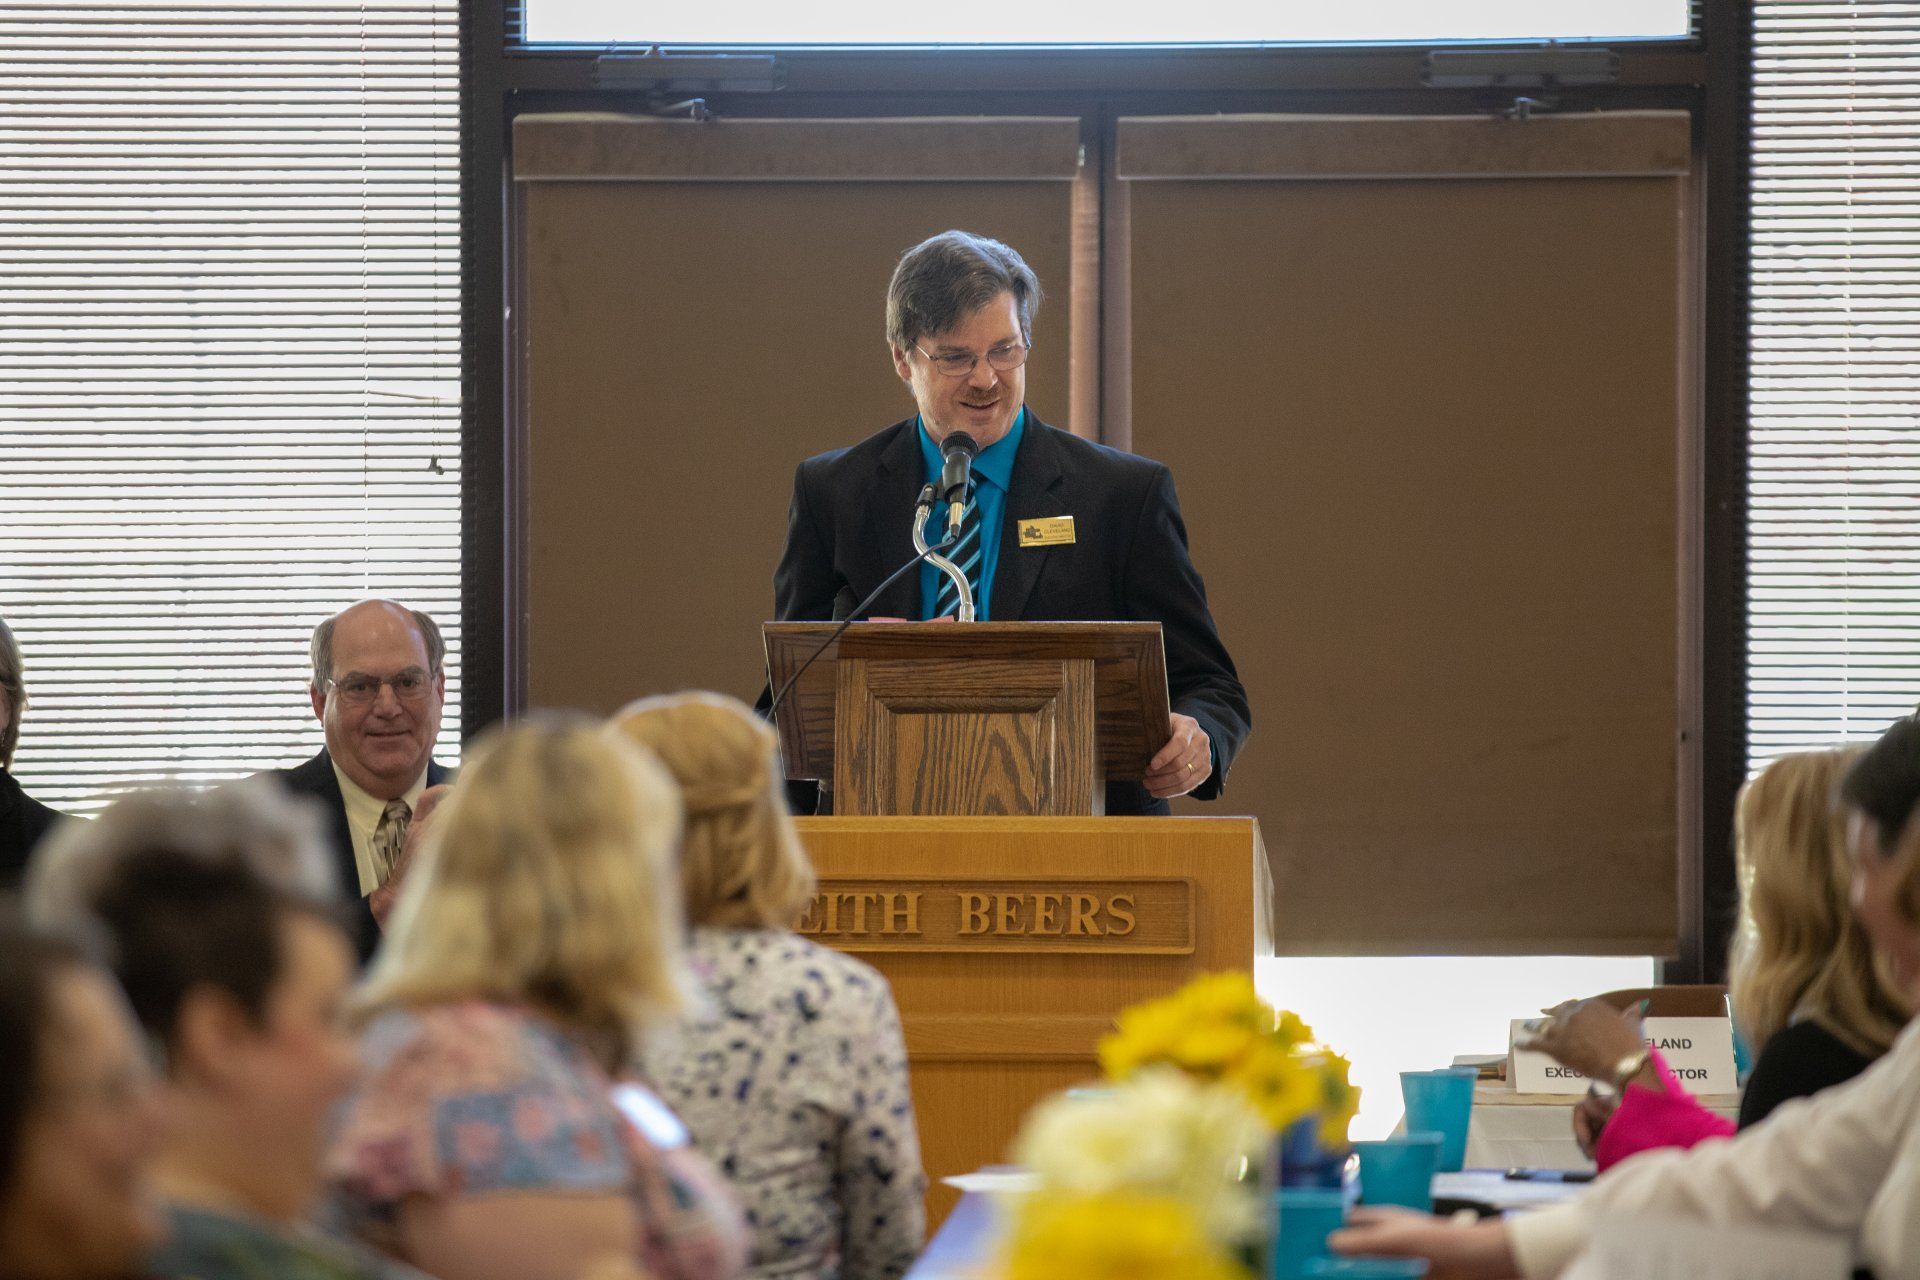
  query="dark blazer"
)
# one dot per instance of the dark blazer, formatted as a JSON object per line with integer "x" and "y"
{"x": 23, "y": 822}
{"x": 315, "y": 778}
{"x": 848, "y": 529}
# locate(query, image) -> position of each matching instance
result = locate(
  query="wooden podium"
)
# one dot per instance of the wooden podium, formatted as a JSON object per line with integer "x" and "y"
{"x": 966, "y": 862}
{"x": 978, "y": 718}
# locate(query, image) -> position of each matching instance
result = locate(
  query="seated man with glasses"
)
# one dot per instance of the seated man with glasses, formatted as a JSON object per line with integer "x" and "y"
{"x": 1057, "y": 528}
{"x": 377, "y": 688}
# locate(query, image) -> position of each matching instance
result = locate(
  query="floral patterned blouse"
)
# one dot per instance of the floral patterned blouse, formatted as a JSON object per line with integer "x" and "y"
{"x": 474, "y": 1098}
{"x": 794, "y": 1082}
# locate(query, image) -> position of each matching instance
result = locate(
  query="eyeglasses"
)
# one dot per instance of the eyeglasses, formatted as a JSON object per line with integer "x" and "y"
{"x": 362, "y": 690}
{"x": 1004, "y": 358}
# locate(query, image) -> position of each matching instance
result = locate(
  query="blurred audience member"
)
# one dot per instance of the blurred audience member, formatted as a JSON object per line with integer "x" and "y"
{"x": 491, "y": 1136}
{"x": 378, "y": 685}
{"x": 79, "y": 1118}
{"x": 220, "y": 913}
{"x": 1846, "y": 1161}
{"x": 1805, "y": 986}
{"x": 793, "y": 1074}
{"x": 23, "y": 820}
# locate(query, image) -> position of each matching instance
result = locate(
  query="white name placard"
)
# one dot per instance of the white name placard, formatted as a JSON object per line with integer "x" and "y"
{"x": 1533, "y": 1072}
{"x": 1698, "y": 1050}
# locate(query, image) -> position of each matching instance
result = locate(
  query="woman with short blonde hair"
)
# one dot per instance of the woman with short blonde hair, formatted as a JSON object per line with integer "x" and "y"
{"x": 742, "y": 865}
{"x": 492, "y": 1135}
{"x": 792, "y": 1073}
{"x": 560, "y": 889}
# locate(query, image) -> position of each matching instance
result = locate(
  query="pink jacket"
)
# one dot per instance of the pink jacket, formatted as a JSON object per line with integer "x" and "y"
{"x": 1648, "y": 1118}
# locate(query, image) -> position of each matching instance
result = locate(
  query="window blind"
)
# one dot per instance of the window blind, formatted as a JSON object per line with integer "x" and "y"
{"x": 229, "y": 367}
{"x": 1834, "y": 595}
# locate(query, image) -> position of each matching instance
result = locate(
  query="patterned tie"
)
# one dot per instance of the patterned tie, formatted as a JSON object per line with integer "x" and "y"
{"x": 389, "y": 838}
{"x": 966, "y": 554}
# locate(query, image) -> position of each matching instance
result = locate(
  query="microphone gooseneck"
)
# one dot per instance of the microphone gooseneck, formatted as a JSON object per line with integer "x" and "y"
{"x": 845, "y": 616}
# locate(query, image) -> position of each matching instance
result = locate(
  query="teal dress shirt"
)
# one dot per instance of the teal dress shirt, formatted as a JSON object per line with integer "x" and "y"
{"x": 992, "y": 474}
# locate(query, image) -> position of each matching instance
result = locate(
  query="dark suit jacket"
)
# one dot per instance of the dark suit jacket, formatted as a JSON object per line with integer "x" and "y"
{"x": 848, "y": 529}
{"x": 23, "y": 822}
{"x": 315, "y": 778}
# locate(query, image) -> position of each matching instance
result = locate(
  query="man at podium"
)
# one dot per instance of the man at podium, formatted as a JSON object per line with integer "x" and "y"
{"x": 1055, "y": 528}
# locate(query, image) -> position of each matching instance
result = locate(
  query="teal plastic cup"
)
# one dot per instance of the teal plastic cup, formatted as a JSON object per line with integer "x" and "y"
{"x": 1441, "y": 1102}
{"x": 1303, "y": 1217}
{"x": 1399, "y": 1170}
{"x": 1367, "y": 1268}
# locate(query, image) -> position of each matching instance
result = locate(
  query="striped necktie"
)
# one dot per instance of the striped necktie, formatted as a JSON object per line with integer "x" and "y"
{"x": 966, "y": 554}
{"x": 389, "y": 838}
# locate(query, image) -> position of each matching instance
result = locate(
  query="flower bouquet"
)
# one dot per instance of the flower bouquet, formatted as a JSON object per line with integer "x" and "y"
{"x": 1217, "y": 1028}
{"x": 1158, "y": 1176}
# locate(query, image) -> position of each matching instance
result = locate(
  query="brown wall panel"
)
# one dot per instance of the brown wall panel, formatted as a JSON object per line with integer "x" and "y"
{"x": 1427, "y": 438}
{"x": 688, "y": 344}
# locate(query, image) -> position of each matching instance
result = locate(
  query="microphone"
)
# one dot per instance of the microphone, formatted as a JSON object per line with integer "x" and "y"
{"x": 958, "y": 450}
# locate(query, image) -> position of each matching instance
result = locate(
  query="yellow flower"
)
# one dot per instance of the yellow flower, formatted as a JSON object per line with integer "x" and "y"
{"x": 1225, "y": 997}
{"x": 1211, "y": 1048}
{"x": 1291, "y": 1030}
{"x": 1281, "y": 1086}
{"x": 1145, "y": 1033}
{"x": 1111, "y": 1236}
{"x": 1218, "y": 1028}
{"x": 1339, "y": 1100}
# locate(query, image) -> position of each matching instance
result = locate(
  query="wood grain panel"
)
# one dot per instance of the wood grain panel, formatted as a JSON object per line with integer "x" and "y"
{"x": 991, "y": 737}
{"x": 971, "y": 1037}
{"x": 1130, "y": 682}
{"x": 1136, "y": 916}
{"x": 989, "y": 1034}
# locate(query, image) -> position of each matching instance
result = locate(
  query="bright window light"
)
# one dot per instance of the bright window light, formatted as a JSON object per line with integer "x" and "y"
{"x": 1100, "y": 22}
{"x": 1413, "y": 1013}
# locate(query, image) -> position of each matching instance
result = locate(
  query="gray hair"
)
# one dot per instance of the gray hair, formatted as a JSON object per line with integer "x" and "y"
{"x": 13, "y": 686}
{"x": 942, "y": 280}
{"x": 321, "y": 647}
{"x": 253, "y": 822}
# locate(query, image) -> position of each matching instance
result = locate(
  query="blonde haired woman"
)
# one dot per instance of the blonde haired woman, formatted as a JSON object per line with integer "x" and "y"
{"x": 793, "y": 1078}
{"x": 491, "y": 1136}
{"x": 1806, "y": 989}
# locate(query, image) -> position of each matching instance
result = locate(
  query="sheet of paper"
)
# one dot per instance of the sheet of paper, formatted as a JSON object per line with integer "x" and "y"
{"x": 1491, "y": 1187}
{"x": 1645, "y": 1248}
{"x": 1000, "y": 1180}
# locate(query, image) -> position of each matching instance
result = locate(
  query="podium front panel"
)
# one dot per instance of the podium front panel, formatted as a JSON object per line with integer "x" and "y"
{"x": 1011, "y": 943}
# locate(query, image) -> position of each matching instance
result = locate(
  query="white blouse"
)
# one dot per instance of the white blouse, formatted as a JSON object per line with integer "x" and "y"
{"x": 1845, "y": 1161}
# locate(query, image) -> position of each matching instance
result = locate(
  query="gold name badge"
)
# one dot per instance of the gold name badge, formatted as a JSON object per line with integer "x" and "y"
{"x": 1048, "y": 531}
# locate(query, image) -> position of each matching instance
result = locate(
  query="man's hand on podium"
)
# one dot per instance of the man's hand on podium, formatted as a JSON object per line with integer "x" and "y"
{"x": 1184, "y": 763}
